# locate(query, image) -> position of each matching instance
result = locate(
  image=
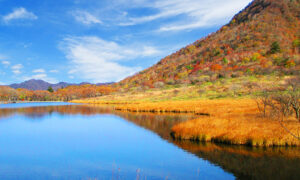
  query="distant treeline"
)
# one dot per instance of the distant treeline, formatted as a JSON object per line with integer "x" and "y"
{"x": 64, "y": 94}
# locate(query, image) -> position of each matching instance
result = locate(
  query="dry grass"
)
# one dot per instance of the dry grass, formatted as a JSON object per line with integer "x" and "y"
{"x": 232, "y": 121}
{"x": 241, "y": 87}
{"x": 259, "y": 132}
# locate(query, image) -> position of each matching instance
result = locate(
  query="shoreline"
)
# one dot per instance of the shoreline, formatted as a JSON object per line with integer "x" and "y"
{"x": 226, "y": 121}
{"x": 14, "y": 102}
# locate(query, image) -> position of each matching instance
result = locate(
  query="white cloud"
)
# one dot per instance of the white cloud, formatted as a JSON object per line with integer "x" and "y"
{"x": 86, "y": 18}
{"x": 190, "y": 14}
{"x": 6, "y": 63}
{"x": 39, "y": 71}
{"x": 19, "y": 13}
{"x": 98, "y": 60}
{"x": 16, "y": 69}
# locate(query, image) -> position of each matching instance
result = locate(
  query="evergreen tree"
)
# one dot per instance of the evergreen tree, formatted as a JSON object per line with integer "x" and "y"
{"x": 275, "y": 48}
{"x": 50, "y": 89}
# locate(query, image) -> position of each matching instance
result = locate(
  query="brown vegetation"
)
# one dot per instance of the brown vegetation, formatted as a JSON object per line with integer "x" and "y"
{"x": 232, "y": 121}
{"x": 63, "y": 94}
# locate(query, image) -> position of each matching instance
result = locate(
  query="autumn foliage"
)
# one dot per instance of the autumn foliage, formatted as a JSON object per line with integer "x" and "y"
{"x": 262, "y": 39}
{"x": 63, "y": 94}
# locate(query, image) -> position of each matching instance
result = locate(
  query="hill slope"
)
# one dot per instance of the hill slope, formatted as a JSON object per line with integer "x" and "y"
{"x": 32, "y": 85}
{"x": 262, "y": 39}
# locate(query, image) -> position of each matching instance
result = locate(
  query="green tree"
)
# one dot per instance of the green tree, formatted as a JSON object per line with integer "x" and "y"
{"x": 50, "y": 89}
{"x": 275, "y": 48}
{"x": 225, "y": 60}
{"x": 296, "y": 45}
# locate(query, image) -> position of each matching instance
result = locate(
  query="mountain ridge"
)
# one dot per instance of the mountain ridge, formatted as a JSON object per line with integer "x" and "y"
{"x": 37, "y": 84}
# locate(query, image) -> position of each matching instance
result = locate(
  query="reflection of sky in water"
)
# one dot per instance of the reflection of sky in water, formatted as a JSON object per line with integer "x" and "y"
{"x": 79, "y": 146}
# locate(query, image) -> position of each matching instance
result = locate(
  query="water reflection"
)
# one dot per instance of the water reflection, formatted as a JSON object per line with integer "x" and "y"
{"x": 160, "y": 124}
{"x": 243, "y": 162}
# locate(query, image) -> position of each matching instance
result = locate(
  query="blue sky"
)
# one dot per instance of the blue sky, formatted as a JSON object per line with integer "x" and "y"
{"x": 100, "y": 40}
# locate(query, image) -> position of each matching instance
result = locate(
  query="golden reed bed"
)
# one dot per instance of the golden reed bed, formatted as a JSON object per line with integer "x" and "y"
{"x": 231, "y": 121}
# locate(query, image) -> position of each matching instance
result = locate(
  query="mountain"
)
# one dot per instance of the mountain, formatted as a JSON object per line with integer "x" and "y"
{"x": 34, "y": 84}
{"x": 264, "y": 38}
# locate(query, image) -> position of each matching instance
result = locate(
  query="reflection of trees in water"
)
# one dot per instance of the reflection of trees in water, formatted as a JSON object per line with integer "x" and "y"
{"x": 243, "y": 162}
{"x": 160, "y": 124}
{"x": 249, "y": 162}
{"x": 48, "y": 110}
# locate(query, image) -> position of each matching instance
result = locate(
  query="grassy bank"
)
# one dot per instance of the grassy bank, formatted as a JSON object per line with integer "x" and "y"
{"x": 231, "y": 121}
{"x": 239, "y": 87}
{"x": 238, "y": 130}
{"x": 229, "y": 111}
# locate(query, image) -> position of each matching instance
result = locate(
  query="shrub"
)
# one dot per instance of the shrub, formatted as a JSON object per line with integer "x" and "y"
{"x": 216, "y": 52}
{"x": 216, "y": 67}
{"x": 282, "y": 104}
{"x": 246, "y": 59}
{"x": 290, "y": 63}
{"x": 191, "y": 48}
{"x": 296, "y": 43}
{"x": 189, "y": 67}
{"x": 225, "y": 60}
{"x": 275, "y": 48}
{"x": 255, "y": 57}
{"x": 279, "y": 60}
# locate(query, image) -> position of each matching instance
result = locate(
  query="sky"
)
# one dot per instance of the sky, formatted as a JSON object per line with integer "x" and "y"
{"x": 100, "y": 40}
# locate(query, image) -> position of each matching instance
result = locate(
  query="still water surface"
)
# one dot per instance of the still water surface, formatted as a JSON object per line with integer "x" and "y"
{"x": 65, "y": 141}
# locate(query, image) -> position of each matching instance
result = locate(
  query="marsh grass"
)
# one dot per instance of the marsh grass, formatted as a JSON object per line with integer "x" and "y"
{"x": 229, "y": 113}
{"x": 229, "y": 121}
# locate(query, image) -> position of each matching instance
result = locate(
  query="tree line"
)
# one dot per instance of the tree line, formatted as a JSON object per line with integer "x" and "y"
{"x": 64, "y": 94}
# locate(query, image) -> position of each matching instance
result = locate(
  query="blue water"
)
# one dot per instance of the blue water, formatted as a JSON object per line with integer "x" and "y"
{"x": 56, "y": 145}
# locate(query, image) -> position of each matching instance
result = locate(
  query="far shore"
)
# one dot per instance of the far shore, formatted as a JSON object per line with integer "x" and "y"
{"x": 13, "y": 102}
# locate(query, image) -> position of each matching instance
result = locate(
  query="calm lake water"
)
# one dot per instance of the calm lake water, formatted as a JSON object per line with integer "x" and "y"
{"x": 65, "y": 141}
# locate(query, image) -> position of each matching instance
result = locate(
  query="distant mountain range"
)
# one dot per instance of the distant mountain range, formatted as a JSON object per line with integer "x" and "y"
{"x": 35, "y": 84}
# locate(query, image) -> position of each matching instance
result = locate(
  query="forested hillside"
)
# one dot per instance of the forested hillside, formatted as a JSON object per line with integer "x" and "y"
{"x": 262, "y": 39}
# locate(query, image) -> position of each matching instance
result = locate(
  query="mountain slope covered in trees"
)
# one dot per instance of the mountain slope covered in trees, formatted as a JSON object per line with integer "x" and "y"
{"x": 262, "y": 39}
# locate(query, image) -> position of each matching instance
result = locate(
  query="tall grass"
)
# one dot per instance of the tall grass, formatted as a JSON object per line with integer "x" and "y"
{"x": 231, "y": 121}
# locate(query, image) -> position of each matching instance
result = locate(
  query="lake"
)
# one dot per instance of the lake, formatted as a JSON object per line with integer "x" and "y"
{"x": 69, "y": 141}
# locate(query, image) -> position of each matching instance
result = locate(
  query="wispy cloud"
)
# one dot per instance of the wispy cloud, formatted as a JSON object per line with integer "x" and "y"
{"x": 86, "y": 18}
{"x": 190, "y": 14}
{"x": 6, "y": 63}
{"x": 19, "y": 13}
{"x": 16, "y": 69}
{"x": 98, "y": 60}
{"x": 39, "y": 71}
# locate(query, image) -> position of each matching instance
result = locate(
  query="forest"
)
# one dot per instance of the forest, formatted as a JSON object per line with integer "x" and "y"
{"x": 63, "y": 94}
